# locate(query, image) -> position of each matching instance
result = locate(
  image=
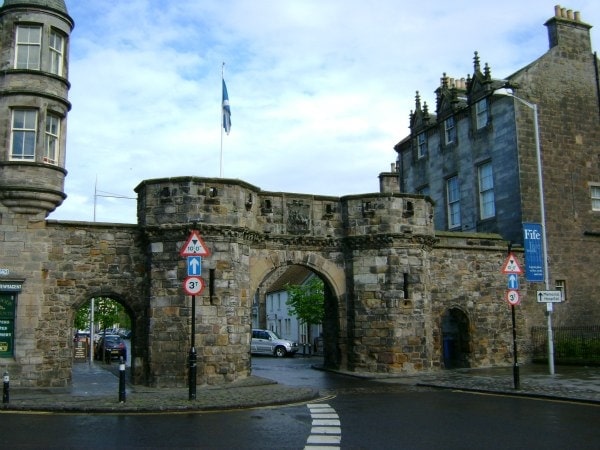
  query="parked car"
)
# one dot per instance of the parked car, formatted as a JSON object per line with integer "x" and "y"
{"x": 124, "y": 333}
{"x": 267, "y": 342}
{"x": 110, "y": 346}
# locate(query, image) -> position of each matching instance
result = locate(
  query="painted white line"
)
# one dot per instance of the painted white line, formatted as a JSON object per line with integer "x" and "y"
{"x": 326, "y": 431}
{"x": 324, "y": 416}
{"x": 323, "y": 439}
{"x": 326, "y": 423}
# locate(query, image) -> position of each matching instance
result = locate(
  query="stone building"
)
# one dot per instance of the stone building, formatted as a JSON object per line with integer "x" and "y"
{"x": 400, "y": 297}
{"x": 476, "y": 157}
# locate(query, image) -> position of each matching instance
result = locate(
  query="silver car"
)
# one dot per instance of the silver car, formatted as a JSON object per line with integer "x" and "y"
{"x": 267, "y": 342}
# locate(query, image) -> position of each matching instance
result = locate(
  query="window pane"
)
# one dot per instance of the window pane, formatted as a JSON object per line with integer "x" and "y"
{"x": 486, "y": 191}
{"x": 453, "y": 194}
{"x": 29, "y": 40}
{"x": 481, "y": 112}
{"x": 595, "y": 194}
{"x": 56, "y": 53}
{"x": 450, "y": 130}
{"x": 52, "y": 139}
{"x": 422, "y": 145}
{"x": 23, "y": 134}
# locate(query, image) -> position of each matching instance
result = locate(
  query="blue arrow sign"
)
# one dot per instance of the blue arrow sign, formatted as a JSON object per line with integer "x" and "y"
{"x": 194, "y": 265}
{"x": 513, "y": 281}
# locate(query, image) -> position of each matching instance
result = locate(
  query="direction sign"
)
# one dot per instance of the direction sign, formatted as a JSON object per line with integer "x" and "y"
{"x": 194, "y": 265}
{"x": 549, "y": 296}
{"x": 512, "y": 297}
{"x": 511, "y": 265}
{"x": 513, "y": 281}
{"x": 194, "y": 246}
{"x": 193, "y": 285}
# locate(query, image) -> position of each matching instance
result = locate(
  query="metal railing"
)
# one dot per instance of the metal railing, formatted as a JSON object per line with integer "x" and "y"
{"x": 572, "y": 345}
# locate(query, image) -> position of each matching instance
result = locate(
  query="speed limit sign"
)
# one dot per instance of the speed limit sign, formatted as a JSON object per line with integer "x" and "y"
{"x": 193, "y": 285}
{"x": 512, "y": 297}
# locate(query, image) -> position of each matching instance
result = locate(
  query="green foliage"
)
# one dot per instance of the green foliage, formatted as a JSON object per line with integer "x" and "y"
{"x": 307, "y": 301}
{"x": 107, "y": 312}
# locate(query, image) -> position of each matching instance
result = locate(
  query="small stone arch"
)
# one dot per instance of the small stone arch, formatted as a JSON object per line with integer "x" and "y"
{"x": 456, "y": 338}
{"x": 131, "y": 309}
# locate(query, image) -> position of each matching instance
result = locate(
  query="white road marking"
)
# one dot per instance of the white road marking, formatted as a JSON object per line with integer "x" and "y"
{"x": 326, "y": 432}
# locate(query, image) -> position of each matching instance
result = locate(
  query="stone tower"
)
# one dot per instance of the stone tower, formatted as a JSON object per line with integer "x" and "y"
{"x": 34, "y": 43}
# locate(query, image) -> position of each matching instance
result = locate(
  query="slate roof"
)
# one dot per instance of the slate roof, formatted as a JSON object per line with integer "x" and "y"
{"x": 58, "y": 5}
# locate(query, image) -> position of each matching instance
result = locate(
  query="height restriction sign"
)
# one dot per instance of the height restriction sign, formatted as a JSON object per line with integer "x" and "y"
{"x": 194, "y": 246}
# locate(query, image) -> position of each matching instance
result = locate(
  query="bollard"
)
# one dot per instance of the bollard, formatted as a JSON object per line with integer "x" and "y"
{"x": 122, "y": 394}
{"x": 5, "y": 388}
{"x": 192, "y": 374}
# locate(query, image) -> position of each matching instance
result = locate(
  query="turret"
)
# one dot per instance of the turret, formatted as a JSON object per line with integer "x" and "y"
{"x": 34, "y": 45}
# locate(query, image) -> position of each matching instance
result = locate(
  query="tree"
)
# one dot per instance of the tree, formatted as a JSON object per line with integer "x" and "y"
{"x": 107, "y": 312}
{"x": 306, "y": 302}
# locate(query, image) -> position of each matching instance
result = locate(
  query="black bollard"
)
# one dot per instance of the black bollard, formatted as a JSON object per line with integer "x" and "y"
{"x": 122, "y": 394}
{"x": 192, "y": 374}
{"x": 5, "y": 388}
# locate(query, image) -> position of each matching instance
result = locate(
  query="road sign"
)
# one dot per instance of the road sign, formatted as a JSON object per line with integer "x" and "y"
{"x": 549, "y": 296}
{"x": 194, "y": 265}
{"x": 512, "y": 297}
{"x": 513, "y": 281}
{"x": 511, "y": 265}
{"x": 193, "y": 285}
{"x": 194, "y": 246}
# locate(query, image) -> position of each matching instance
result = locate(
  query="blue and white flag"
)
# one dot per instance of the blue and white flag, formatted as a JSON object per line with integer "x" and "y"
{"x": 226, "y": 110}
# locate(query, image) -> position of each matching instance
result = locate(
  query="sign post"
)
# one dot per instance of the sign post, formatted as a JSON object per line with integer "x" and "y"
{"x": 512, "y": 268}
{"x": 550, "y": 297}
{"x": 193, "y": 249}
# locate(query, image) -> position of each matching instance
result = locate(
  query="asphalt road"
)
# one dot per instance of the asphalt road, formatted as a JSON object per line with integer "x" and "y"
{"x": 372, "y": 415}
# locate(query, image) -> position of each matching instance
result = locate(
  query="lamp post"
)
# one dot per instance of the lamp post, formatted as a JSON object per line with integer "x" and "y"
{"x": 538, "y": 155}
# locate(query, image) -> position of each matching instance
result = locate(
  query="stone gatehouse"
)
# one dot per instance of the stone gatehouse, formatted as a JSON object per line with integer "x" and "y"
{"x": 397, "y": 293}
{"x": 399, "y": 296}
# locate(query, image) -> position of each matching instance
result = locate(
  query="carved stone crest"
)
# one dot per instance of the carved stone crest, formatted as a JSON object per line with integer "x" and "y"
{"x": 298, "y": 221}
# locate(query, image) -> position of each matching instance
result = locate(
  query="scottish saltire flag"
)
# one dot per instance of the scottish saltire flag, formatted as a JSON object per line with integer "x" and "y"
{"x": 226, "y": 110}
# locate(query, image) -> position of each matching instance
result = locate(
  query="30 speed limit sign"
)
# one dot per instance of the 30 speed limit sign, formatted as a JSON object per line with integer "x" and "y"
{"x": 512, "y": 297}
{"x": 193, "y": 285}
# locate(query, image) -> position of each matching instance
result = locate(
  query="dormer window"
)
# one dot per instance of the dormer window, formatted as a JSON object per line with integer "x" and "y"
{"x": 29, "y": 44}
{"x": 481, "y": 113}
{"x": 421, "y": 145}
{"x": 449, "y": 130}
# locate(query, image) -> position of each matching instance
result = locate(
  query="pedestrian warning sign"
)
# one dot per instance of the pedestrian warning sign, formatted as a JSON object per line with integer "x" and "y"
{"x": 511, "y": 265}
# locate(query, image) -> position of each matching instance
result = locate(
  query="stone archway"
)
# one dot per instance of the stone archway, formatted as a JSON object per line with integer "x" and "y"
{"x": 265, "y": 269}
{"x": 455, "y": 339}
{"x": 131, "y": 341}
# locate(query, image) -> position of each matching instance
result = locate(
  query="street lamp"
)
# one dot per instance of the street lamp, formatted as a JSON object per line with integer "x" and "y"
{"x": 538, "y": 155}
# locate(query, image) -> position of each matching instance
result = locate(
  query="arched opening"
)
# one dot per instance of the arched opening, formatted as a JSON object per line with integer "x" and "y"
{"x": 274, "y": 309}
{"x": 103, "y": 332}
{"x": 455, "y": 339}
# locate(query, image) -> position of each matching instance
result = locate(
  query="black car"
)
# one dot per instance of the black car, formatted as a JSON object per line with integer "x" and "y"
{"x": 110, "y": 346}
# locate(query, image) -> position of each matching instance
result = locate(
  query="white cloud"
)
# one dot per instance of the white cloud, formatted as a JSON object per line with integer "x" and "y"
{"x": 320, "y": 92}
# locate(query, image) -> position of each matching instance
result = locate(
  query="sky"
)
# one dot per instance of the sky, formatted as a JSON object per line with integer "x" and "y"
{"x": 320, "y": 90}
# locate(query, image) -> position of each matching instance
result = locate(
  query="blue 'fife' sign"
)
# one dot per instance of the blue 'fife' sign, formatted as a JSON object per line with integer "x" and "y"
{"x": 534, "y": 252}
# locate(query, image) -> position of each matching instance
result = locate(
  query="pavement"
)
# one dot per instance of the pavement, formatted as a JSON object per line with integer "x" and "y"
{"x": 95, "y": 389}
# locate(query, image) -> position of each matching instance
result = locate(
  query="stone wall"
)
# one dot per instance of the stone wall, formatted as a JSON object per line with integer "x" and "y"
{"x": 389, "y": 278}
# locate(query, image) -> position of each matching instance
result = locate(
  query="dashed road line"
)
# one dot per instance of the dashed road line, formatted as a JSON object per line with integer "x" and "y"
{"x": 326, "y": 431}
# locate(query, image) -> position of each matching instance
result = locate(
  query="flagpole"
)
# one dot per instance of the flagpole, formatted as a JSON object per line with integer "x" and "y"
{"x": 221, "y": 122}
